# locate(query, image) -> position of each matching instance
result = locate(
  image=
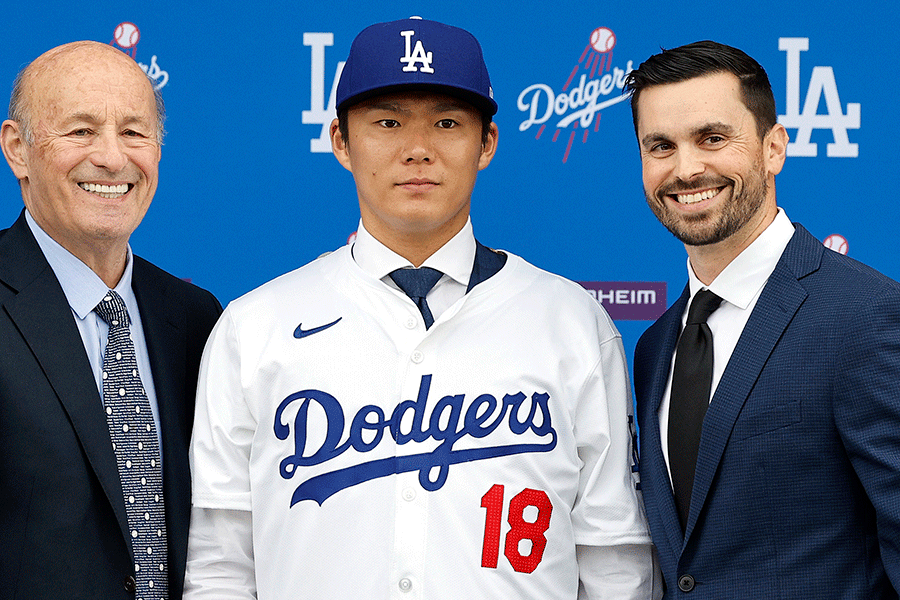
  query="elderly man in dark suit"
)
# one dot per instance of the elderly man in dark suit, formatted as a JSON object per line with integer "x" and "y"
{"x": 99, "y": 349}
{"x": 768, "y": 395}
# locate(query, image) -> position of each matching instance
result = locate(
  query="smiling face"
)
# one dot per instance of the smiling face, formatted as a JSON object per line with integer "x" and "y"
{"x": 708, "y": 177}
{"x": 90, "y": 172}
{"x": 414, "y": 157}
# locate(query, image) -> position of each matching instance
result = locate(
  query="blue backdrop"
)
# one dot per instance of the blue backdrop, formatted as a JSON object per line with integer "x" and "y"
{"x": 246, "y": 194}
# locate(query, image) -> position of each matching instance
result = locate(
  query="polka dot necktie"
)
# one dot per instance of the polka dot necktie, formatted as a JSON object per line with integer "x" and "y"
{"x": 416, "y": 283}
{"x": 136, "y": 446}
{"x": 691, "y": 386}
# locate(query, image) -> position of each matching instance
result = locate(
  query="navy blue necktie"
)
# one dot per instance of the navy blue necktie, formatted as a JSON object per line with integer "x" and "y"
{"x": 691, "y": 385}
{"x": 416, "y": 283}
{"x": 136, "y": 447}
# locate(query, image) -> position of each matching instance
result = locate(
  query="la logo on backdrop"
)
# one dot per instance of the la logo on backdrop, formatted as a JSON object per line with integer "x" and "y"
{"x": 126, "y": 37}
{"x": 822, "y": 84}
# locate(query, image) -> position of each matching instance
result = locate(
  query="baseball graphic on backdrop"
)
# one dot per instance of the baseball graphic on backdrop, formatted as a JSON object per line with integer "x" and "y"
{"x": 837, "y": 242}
{"x": 603, "y": 39}
{"x": 127, "y": 35}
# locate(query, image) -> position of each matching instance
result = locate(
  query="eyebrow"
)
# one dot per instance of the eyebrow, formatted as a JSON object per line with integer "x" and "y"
{"x": 700, "y": 130}
{"x": 385, "y": 105}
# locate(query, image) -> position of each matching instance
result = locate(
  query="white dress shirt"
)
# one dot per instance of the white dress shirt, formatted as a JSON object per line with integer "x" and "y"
{"x": 739, "y": 285}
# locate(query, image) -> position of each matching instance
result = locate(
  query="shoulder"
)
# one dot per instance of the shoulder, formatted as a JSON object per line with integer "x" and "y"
{"x": 310, "y": 283}
{"x": 559, "y": 299}
{"x": 817, "y": 267}
{"x": 148, "y": 279}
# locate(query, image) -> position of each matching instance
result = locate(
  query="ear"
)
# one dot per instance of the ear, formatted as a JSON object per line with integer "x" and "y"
{"x": 775, "y": 143}
{"x": 339, "y": 146}
{"x": 489, "y": 147}
{"x": 14, "y": 148}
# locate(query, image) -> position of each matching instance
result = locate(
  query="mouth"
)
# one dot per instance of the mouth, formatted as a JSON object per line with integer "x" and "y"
{"x": 110, "y": 192}
{"x": 417, "y": 183}
{"x": 694, "y": 197}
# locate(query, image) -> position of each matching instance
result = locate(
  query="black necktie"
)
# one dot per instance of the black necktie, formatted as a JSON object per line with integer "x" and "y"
{"x": 416, "y": 283}
{"x": 136, "y": 447}
{"x": 691, "y": 385}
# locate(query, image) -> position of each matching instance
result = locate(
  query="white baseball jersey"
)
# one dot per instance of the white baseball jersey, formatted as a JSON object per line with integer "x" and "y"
{"x": 383, "y": 460}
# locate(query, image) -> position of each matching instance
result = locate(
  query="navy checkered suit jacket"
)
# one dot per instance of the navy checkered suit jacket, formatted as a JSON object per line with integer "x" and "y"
{"x": 797, "y": 488}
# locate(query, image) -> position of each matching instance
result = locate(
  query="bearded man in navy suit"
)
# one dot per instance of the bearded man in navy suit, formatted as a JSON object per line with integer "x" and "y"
{"x": 795, "y": 488}
{"x": 83, "y": 139}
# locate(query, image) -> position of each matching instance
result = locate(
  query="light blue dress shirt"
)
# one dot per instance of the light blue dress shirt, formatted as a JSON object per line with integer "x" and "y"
{"x": 84, "y": 290}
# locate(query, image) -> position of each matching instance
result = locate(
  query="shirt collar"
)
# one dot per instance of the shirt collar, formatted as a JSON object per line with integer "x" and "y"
{"x": 745, "y": 276}
{"x": 83, "y": 288}
{"x": 454, "y": 259}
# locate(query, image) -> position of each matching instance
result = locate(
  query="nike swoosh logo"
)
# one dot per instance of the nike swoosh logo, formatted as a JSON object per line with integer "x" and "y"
{"x": 302, "y": 333}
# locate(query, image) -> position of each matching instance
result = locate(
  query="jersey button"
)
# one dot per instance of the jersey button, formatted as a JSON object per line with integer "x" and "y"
{"x": 405, "y": 584}
{"x": 411, "y": 322}
{"x": 417, "y": 357}
{"x": 409, "y": 494}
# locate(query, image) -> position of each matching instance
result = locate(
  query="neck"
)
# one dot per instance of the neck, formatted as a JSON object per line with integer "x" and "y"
{"x": 415, "y": 246}
{"x": 107, "y": 261}
{"x": 709, "y": 260}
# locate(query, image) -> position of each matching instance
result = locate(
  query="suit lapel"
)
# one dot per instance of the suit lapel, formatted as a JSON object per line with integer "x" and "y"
{"x": 164, "y": 333}
{"x": 780, "y": 300}
{"x": 42, "y": 315}
{"x": 661, "y": 342}
{"x": 165, "y": 330}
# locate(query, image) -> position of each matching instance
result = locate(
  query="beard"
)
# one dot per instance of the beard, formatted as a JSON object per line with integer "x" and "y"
{"x": 713, "y": 226}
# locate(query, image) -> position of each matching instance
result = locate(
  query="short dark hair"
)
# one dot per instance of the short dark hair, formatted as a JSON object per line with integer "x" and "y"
{"x": 707, "y": 58}
{"x": 344, "y": 128}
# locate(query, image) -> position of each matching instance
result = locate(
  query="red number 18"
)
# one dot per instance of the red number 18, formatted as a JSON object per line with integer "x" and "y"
{"x": 520, "y": 529}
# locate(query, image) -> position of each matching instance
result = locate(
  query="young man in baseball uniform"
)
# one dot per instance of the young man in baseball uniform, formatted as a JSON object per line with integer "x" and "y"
{"x": 416, "y": 415}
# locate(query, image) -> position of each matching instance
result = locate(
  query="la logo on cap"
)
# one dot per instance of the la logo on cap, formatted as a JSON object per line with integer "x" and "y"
{"x": 415, "y": 55}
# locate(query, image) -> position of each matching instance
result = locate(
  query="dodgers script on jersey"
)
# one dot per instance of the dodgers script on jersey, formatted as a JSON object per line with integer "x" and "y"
{"x": 383, "y": 460}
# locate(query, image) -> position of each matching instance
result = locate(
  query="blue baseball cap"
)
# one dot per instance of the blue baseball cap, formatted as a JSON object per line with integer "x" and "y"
{"x": 415, "y": 54}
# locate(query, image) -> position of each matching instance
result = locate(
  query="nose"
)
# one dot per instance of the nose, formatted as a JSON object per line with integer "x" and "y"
{"x": 419, "y": 148}
{"x": 688, "y": 164}
{"x": 109, "y": 152}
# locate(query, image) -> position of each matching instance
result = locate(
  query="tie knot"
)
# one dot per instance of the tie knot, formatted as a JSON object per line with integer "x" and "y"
{"x": 112, "y": 310}
{"x": 704, "y": 304}
{"x": 416, "y": 283}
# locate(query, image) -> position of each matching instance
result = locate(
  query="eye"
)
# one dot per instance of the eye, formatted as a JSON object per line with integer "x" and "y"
{"x": 389, "y": 123}
{"x": 82, "y": 132}
{"x": 446, "y": 124}
{"x": 661, "y": 148}
{"x": 132, "y": 133}
{"x": 714, "y": 139}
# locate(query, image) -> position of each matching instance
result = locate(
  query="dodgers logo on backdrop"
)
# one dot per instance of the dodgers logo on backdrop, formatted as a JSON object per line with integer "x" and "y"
{"x": 320, "y": 112}
{"x": 581, "y": 99}
{"x": 412, "y": 421}
{"x": 126, "y": 37}
{"x": 821, "y": 83}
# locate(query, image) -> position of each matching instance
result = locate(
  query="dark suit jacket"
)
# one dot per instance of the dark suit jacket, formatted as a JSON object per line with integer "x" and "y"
{"x": 63, "y": 529}
{"x": 797, "y": 487}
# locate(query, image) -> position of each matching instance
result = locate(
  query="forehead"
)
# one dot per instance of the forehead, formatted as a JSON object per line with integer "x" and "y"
{"x": 89, "y": 82}
{"x": 685, "y": 105}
